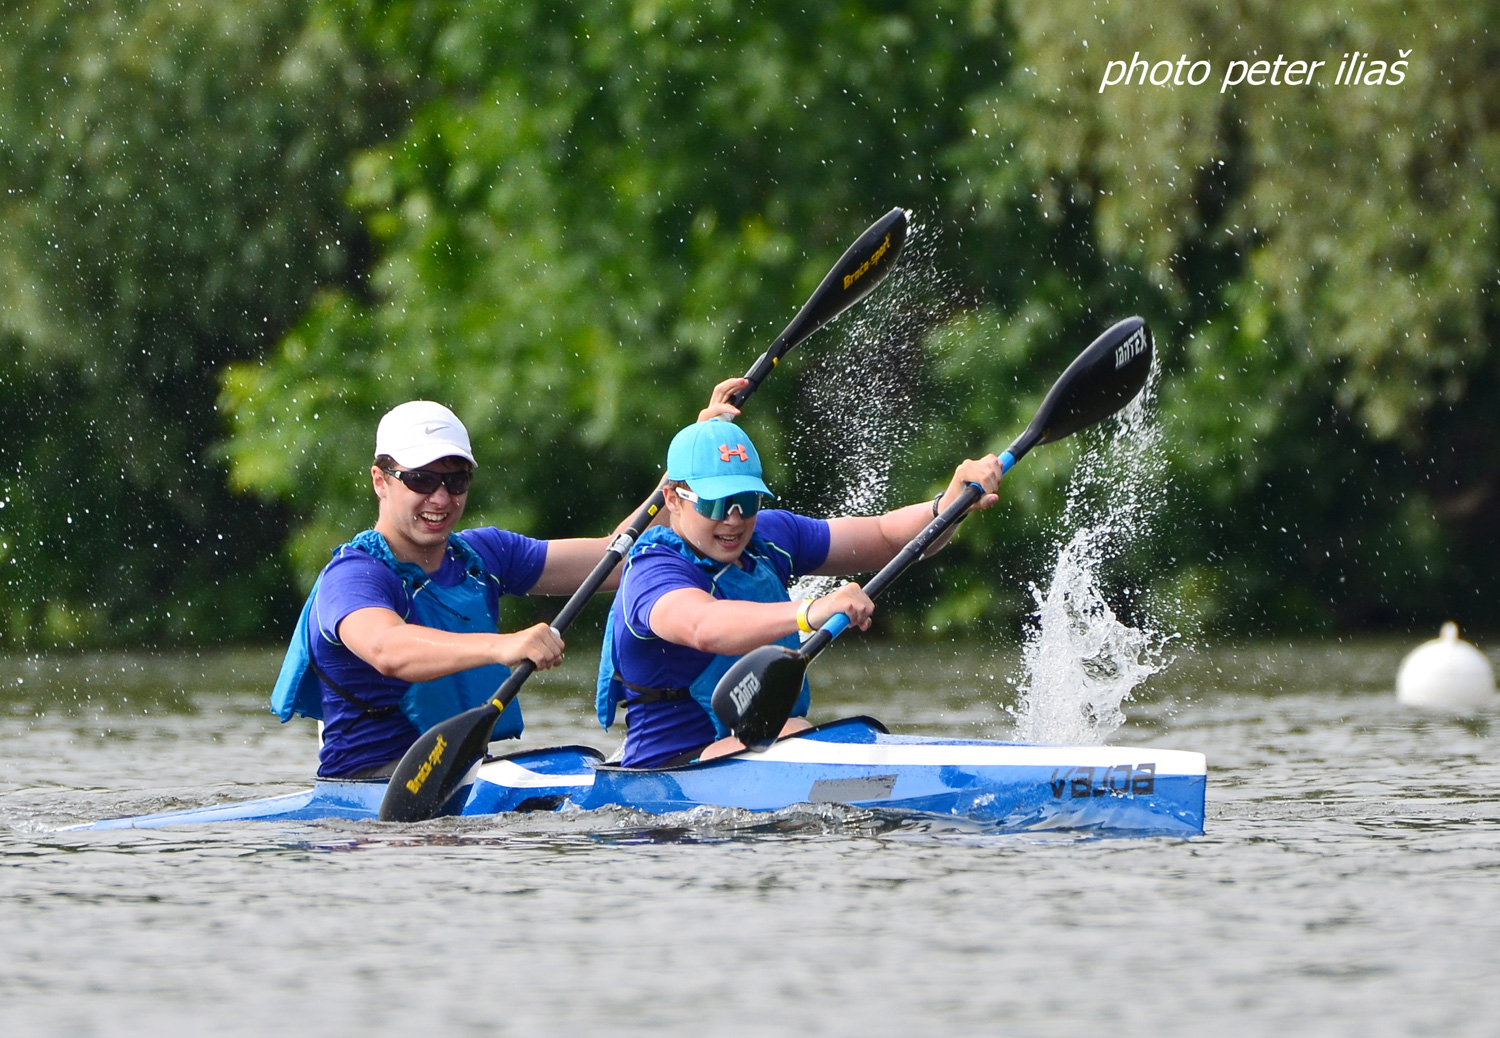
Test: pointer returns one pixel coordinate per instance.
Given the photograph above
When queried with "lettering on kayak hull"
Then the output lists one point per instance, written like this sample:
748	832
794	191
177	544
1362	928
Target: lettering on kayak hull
1118	780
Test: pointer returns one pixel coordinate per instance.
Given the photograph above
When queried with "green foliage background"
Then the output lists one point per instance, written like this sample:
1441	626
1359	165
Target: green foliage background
234	233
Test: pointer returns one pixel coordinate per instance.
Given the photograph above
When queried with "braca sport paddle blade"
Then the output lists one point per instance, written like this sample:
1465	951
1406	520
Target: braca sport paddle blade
863	266
424	782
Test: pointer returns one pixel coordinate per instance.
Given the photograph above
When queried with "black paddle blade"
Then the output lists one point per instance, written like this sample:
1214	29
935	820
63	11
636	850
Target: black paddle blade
436	764
755	697
863	266
1104	378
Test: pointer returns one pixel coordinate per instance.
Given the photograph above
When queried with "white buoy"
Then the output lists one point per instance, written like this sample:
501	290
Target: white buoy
1446	673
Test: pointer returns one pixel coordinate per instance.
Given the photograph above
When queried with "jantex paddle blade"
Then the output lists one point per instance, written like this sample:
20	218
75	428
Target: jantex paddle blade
755	696
1101	380
424	782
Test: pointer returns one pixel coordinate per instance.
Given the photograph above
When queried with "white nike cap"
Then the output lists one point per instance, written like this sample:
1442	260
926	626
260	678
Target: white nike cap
420	431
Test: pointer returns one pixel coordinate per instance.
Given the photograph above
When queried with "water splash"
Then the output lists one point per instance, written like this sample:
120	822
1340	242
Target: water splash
859	395
1081	661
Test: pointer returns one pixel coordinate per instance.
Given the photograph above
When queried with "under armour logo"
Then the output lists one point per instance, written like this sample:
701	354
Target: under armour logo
737	451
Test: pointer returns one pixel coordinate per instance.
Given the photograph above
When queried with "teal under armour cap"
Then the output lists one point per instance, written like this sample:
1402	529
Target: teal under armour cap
715	458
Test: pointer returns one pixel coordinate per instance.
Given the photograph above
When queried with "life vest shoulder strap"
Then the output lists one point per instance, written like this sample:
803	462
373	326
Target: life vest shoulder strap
363	706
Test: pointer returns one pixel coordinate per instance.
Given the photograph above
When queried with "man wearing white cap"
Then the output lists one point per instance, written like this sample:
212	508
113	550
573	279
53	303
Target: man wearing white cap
401	630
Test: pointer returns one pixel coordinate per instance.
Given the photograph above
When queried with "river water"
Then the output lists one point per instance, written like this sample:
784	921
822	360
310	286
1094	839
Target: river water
1348	883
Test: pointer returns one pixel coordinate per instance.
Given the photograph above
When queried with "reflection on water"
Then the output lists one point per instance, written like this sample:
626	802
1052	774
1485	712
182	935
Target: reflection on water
1347	884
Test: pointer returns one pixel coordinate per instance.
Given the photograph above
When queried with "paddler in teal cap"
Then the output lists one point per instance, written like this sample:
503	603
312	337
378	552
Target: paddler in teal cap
401	630
711	585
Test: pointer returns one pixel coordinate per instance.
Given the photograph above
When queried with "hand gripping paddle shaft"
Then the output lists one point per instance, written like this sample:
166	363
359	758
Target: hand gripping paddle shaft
438	764
755	696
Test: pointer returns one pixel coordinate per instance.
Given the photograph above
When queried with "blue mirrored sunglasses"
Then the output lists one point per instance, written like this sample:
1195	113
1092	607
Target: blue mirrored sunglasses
717	509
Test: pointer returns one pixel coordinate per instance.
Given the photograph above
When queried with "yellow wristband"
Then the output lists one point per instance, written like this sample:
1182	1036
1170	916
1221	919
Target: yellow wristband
802	624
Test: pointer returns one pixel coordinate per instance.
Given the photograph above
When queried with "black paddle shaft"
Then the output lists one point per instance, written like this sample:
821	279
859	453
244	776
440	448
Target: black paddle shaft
862	267
914	550
574	605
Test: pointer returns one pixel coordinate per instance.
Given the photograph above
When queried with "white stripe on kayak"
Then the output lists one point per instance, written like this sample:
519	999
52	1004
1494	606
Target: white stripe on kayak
813	751
509	773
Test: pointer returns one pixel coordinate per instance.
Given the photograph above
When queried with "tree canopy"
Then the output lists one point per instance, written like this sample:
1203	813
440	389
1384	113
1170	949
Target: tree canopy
235	233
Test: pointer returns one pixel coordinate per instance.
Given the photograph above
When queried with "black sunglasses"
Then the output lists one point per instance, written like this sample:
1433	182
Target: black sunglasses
425	481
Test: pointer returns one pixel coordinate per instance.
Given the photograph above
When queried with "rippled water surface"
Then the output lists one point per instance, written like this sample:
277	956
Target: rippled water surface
1348	884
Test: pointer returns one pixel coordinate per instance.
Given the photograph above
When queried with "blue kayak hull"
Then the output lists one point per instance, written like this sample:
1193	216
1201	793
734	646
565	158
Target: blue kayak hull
1005	786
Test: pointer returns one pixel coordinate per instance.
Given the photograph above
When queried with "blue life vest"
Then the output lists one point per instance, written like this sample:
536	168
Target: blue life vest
729	582
463	608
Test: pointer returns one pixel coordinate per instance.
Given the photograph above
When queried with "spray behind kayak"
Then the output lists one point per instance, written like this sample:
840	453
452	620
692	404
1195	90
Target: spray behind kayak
1081	661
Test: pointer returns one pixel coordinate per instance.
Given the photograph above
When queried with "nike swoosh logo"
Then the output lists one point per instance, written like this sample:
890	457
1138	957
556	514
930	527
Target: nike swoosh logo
428	430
